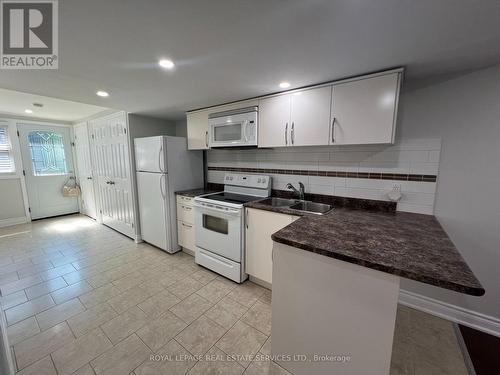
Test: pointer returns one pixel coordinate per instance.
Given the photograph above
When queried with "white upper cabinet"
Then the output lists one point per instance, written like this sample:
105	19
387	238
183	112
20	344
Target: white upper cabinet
310	117
356	111
364	110
301	118
197	130
274	121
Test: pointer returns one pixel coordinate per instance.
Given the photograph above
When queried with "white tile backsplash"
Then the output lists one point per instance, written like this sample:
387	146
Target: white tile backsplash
409	156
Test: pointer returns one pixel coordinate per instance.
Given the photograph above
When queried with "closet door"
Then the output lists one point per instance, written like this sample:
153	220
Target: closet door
113	173
84	170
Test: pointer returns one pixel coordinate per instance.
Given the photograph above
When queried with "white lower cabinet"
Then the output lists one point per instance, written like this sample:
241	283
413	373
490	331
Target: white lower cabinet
185	234
260	225
185	222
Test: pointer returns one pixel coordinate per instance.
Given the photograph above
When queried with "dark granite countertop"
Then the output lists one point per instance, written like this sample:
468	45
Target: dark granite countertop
195	192
409	245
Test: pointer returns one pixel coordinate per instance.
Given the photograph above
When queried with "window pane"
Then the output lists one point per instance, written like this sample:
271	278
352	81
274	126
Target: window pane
4	139
6	162
47	153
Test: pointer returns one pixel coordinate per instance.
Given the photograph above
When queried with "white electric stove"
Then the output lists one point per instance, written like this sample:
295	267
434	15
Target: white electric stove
220	221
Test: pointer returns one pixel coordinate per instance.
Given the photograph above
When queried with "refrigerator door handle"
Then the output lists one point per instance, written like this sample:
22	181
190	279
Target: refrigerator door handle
159	159
162	177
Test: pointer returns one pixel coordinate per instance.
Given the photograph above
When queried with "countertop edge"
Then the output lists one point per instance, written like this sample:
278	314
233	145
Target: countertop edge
384	268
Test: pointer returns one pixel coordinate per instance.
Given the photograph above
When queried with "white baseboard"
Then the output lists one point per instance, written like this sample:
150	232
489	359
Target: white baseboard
260	282
7	363
13	221
481	322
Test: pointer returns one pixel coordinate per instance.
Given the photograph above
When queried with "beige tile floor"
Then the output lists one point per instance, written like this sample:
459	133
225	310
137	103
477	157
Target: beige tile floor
79	298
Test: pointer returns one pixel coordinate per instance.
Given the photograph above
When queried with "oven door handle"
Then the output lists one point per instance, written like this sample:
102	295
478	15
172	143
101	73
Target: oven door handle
214	209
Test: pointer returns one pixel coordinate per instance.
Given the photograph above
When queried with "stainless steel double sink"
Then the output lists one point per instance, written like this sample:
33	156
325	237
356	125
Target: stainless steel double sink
299	205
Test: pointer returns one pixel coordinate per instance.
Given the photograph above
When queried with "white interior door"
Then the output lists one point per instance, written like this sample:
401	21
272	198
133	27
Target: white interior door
84	171
48	164
113	173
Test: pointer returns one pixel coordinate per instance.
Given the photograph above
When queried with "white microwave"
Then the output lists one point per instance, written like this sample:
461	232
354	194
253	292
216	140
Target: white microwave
236	128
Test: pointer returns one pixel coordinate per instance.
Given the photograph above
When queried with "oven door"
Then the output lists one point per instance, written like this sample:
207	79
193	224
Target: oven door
219	230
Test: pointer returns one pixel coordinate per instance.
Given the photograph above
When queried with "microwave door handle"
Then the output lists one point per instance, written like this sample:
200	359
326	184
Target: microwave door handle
245	130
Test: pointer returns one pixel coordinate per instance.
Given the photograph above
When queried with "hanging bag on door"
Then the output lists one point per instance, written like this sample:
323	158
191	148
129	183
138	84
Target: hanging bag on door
71	188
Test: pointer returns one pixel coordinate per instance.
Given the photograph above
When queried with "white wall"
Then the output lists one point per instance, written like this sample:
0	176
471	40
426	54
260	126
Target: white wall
181	128
11	199
465	113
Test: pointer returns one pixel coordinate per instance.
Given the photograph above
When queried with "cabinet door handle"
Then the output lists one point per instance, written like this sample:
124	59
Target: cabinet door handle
292	136
246	218
206	138
333	130
286	134
186	225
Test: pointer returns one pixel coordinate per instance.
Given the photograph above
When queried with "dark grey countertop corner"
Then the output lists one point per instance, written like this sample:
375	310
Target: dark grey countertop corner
409	245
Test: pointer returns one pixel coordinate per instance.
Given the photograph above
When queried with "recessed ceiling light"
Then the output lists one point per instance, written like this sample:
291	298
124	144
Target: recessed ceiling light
284	85
167	64
103	94
28	111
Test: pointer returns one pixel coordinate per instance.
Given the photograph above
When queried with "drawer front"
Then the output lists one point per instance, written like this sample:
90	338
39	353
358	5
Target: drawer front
186	234
185	200
185	213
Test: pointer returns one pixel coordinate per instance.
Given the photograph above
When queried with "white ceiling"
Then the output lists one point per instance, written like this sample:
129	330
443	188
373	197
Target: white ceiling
233	49
15	103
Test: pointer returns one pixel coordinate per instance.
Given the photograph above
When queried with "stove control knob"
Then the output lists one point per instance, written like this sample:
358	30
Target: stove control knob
259	180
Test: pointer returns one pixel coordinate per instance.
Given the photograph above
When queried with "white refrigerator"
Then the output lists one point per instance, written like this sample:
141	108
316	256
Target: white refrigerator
164	165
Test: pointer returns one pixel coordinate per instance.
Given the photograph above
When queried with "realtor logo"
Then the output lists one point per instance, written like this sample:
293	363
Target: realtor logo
29	37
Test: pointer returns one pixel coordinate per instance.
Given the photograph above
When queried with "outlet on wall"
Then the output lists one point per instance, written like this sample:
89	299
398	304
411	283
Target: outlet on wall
395	194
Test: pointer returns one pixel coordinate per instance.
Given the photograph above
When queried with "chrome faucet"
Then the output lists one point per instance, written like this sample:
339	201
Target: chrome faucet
299	193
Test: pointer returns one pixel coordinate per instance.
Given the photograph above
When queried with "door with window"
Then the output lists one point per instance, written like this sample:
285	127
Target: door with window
84	170
113	173
48	165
